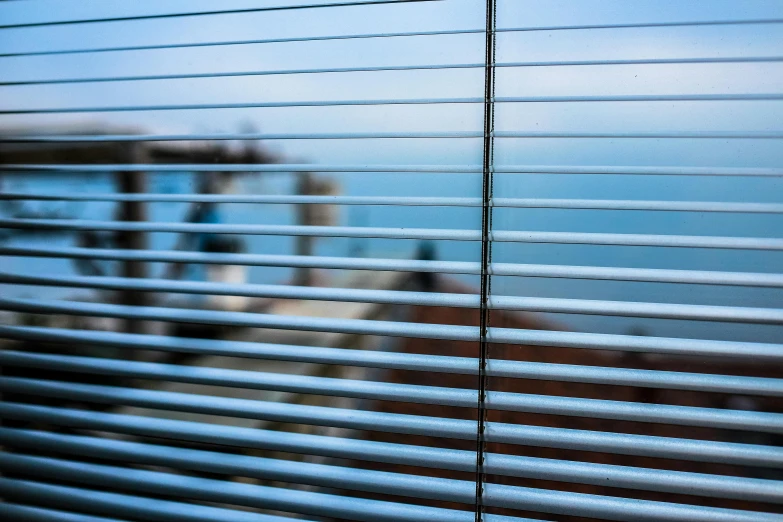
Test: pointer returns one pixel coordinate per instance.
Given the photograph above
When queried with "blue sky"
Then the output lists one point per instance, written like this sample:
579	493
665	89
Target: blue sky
753	40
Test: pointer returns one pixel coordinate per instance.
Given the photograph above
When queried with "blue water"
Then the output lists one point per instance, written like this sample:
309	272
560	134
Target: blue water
750	189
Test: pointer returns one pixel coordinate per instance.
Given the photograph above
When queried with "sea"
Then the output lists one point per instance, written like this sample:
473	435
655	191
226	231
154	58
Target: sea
470	185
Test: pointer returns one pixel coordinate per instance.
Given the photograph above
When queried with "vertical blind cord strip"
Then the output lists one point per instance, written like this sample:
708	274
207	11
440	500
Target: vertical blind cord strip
389	68
719	486
409	265
440	396
486	258
404	361
527	435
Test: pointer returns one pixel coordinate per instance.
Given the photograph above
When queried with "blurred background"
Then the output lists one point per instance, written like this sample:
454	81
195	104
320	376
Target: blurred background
308	116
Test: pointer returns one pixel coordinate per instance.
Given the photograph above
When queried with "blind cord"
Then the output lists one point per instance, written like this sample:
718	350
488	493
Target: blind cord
486	251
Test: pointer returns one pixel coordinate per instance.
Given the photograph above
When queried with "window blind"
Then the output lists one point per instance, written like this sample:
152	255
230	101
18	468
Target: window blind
486	261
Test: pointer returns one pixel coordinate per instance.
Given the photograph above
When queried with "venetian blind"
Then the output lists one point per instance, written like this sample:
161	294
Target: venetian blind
391	260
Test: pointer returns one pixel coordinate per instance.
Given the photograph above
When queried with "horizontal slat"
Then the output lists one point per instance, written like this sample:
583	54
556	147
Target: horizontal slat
619	443
633	343
250	495
404	361
309	5
243	105
246	167
103	138
530	304
466	398
247	438
636	170
639	25
113	504
411	101
636	412
581	204
430	457
644	61
410	265
686	312
641	98
636	378
695	23
636	343
287	230
261	199
221	43
250	320
610	508
234	74
385	35
655	275
502	169
246	379
420	67
20	513
352	478
619	204
590	238
282	352
250	290
374	481
508	236
688	135
647	479
400	265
